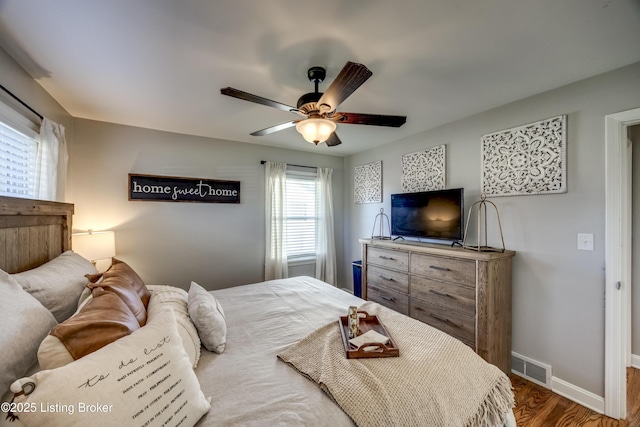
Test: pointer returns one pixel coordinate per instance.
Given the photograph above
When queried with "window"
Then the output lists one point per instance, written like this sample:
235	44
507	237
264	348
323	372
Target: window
300	213
18	153
19	141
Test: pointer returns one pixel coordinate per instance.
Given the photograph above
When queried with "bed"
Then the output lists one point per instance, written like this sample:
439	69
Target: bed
279	363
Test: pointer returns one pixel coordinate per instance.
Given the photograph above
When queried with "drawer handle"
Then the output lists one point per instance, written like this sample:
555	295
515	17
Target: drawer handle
435	267
440	293
388	279
388	258
444	320
386	298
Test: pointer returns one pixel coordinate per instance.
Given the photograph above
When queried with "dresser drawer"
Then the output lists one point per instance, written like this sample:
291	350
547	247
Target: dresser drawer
454	323
448	269
452	295
389	298
389	258
389	278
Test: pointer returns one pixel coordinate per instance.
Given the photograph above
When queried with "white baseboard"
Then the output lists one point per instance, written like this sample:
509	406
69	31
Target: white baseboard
582	396
635	361
578	395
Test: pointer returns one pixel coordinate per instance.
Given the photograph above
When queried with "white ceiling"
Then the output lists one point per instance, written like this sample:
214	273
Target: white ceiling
160	64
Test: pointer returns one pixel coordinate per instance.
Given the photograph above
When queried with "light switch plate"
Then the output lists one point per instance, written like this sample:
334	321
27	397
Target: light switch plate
585	241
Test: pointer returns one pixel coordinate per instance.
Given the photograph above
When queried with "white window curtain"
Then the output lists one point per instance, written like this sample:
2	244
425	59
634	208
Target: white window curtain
51	164
325	244
275	265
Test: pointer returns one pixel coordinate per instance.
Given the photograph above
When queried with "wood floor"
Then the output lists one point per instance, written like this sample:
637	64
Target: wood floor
539	407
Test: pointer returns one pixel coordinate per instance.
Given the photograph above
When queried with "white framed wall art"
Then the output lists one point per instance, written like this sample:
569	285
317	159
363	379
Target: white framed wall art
367	183
424	170
526	160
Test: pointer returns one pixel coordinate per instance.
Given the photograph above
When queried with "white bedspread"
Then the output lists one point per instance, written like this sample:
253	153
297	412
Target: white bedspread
248	384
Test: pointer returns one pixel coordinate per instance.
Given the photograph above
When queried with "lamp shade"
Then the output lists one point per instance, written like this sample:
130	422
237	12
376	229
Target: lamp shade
316	130
94	245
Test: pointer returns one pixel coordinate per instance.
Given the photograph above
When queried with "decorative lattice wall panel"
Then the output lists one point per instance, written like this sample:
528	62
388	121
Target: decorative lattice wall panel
526	160
367	183
424	170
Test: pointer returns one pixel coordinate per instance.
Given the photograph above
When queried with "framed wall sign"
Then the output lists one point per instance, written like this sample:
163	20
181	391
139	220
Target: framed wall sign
177	189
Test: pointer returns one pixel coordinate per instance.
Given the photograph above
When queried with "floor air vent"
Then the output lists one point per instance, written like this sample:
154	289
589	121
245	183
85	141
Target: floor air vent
530	369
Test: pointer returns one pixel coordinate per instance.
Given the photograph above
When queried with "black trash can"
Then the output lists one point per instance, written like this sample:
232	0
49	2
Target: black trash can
357	278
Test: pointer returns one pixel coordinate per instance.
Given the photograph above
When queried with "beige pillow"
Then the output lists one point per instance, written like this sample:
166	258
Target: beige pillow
142	379
103	319
207	314
58	283
25	322
52	353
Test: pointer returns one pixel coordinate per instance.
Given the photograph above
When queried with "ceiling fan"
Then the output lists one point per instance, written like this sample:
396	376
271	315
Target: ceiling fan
318	110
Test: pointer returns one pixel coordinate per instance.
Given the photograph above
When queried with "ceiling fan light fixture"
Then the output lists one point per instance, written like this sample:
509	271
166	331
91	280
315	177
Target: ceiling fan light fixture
318	109
316	130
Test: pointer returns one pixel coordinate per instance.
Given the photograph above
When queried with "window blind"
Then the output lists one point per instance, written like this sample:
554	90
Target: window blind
301	214
18	153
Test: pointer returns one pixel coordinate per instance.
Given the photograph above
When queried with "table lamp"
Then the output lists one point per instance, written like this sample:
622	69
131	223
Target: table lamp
94	245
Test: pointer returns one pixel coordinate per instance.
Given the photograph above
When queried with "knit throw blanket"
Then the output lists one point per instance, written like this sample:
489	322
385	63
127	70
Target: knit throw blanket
436	380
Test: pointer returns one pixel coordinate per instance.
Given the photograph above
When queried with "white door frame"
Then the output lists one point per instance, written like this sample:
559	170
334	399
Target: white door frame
617	260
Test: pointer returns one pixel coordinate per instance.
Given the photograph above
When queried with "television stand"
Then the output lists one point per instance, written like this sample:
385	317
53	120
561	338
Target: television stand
466	294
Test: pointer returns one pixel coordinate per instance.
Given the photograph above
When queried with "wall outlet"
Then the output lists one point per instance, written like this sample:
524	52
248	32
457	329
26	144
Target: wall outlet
585	242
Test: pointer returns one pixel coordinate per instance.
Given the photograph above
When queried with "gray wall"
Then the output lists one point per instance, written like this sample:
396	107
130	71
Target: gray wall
634	134
216	245
558	291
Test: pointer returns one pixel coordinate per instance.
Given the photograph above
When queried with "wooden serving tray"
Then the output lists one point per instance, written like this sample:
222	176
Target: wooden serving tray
367	322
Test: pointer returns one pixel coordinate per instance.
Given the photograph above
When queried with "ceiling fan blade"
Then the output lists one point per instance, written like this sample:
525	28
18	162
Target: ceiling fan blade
235	93
347	81
368	119
275	128
333	140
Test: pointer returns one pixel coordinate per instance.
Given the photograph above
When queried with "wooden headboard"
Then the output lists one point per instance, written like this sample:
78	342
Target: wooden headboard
32	232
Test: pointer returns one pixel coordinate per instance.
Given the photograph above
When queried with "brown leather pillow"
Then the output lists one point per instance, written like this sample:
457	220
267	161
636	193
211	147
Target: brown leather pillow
124	282
102	320
93	278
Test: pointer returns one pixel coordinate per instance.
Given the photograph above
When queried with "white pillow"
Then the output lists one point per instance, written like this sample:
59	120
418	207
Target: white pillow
207	314
25	322
176	299
58	283
142	379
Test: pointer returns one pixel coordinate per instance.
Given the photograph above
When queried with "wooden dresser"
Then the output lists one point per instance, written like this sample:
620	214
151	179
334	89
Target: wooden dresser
464	293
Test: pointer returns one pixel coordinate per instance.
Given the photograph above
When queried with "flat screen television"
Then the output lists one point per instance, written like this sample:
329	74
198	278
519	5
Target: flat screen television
429	214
